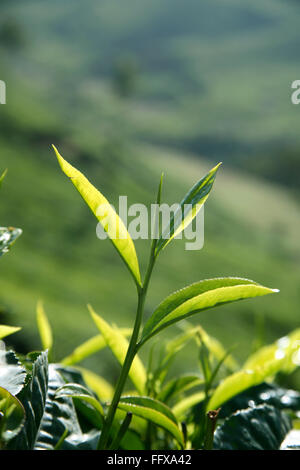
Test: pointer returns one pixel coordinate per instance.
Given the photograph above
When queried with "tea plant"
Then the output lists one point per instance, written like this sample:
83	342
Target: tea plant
60	405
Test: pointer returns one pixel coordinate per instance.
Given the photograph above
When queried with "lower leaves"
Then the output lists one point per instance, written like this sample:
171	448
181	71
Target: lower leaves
261	428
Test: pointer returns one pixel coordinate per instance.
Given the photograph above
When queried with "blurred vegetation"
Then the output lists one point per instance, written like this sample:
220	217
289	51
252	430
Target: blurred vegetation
126	93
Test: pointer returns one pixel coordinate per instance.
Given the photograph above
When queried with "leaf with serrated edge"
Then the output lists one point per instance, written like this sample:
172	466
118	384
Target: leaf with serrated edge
200	296
110	221
119	346
82	393
189	207
152	410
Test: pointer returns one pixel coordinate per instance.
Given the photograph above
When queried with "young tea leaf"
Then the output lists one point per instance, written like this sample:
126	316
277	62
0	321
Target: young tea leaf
12	415
154	411
89	347
98	384
108	218
186	403
6	330
286	348
243	379
44	327
189	207
119	346
74	390
2	177
198	297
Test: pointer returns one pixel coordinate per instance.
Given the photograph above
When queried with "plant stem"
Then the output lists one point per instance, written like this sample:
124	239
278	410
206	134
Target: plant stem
211	421
131	352
118	439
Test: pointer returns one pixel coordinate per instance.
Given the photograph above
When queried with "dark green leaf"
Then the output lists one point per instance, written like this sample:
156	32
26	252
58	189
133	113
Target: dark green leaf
152	410
265	393
261	428
12	374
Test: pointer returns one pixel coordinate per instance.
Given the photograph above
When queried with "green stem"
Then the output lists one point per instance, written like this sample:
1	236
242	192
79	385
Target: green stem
125	425
211	421
130	355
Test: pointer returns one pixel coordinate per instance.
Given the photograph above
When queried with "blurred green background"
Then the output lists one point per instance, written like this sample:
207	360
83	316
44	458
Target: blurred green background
125	90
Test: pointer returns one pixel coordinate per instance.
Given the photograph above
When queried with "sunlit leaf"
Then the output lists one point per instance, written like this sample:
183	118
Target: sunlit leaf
185	404
6	330
189	207
44	327
2	176
286	348
98	384
154	411
119	346
12	373
198	297
261	428
12	415
108	218
90	347
243	379
178	385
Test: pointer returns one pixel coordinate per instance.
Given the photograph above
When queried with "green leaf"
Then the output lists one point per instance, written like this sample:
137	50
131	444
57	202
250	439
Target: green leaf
119	346
33	398
189	207
2	177
281	356
185	404
74	390
241	380
12	374
260	428
8	235
287	348
59	415
154	411
98	384
178	385
198	297
6	330
89	347
109	219
48	417
12	415
44	327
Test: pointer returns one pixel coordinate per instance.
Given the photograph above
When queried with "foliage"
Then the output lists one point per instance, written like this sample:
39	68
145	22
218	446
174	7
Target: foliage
59	405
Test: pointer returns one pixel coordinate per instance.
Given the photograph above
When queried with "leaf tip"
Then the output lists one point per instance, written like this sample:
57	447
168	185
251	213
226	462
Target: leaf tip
92	312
